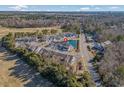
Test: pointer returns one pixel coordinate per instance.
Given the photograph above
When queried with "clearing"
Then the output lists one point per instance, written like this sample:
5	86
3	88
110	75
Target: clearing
5	30
16	73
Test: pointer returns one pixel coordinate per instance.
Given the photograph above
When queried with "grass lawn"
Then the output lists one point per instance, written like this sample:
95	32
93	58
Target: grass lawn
4	30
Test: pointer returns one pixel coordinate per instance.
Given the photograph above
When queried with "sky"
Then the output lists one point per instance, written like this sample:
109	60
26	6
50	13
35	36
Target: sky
61	7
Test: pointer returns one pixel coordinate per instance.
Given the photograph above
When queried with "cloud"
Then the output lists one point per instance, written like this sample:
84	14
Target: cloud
19	7
97	8
114	7
92	8
48	10
63	7
84	8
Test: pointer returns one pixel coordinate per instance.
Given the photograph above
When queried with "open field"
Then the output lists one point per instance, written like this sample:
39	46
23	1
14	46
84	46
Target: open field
16	73
4	30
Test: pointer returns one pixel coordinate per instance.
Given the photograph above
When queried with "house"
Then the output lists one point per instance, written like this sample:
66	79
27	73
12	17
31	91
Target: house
98	47
106	43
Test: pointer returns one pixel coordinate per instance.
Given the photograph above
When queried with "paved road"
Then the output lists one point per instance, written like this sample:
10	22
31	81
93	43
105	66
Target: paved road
83	51
88	66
